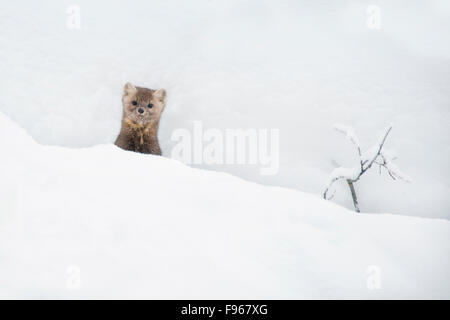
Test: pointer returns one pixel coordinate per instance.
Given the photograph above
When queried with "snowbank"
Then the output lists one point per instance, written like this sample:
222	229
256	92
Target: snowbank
296	66
101	222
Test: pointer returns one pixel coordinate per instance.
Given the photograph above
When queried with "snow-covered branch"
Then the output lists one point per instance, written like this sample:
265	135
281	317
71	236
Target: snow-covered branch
351	136
374	155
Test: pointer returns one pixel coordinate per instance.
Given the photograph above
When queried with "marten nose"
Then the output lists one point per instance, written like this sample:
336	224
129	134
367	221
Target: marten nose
141	110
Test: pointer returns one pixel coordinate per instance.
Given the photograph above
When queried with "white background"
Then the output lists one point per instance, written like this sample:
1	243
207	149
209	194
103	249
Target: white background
296	66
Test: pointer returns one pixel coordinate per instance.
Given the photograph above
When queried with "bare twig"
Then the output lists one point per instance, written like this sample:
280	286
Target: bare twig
352	190
363	170
364	165
331	182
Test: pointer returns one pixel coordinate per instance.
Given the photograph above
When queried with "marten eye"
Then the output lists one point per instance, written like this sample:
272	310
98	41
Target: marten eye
150	105
134	103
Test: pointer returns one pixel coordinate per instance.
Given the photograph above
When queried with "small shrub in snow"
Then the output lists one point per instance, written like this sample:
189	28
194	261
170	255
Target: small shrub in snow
374	155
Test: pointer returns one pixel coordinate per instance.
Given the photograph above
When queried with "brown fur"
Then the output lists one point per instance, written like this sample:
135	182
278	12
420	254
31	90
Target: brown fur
139	132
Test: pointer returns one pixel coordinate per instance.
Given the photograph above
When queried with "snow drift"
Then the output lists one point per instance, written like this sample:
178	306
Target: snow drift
296	66
142	226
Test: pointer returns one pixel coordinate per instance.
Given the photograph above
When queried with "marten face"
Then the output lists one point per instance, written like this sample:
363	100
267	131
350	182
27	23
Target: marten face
141	105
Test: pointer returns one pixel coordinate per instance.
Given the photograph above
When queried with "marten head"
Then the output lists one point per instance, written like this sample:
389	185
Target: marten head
141	105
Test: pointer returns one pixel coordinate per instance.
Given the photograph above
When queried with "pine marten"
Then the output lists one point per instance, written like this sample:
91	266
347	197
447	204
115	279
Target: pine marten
142	110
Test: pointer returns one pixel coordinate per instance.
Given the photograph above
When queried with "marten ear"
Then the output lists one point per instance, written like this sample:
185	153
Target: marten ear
129	88
160	94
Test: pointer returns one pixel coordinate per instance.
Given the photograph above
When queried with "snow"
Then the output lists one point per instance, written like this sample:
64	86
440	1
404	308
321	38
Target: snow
129	225
342	173
349	134
143	226
296	66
